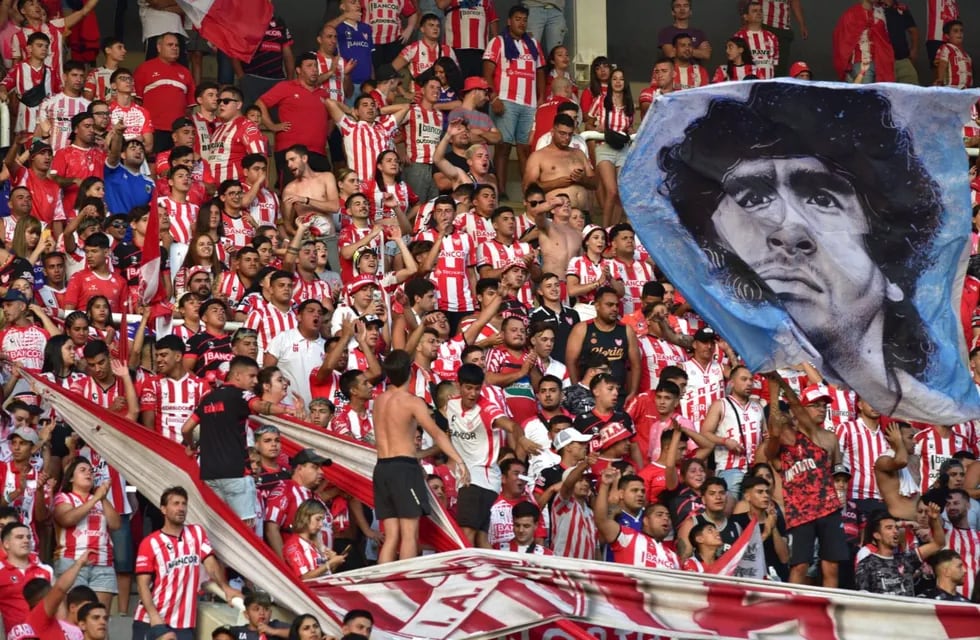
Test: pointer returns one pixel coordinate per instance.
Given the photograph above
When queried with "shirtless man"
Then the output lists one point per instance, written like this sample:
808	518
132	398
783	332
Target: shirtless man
561	168
477	159
401	496
895	472
558	241
309	194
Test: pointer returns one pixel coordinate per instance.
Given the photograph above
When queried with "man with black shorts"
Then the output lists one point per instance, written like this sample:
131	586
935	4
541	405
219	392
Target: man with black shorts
475	422
807	454
401	496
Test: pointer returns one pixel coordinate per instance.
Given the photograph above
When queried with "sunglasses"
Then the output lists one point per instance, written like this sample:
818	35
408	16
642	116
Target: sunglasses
119	224
535	203
100	113
227	100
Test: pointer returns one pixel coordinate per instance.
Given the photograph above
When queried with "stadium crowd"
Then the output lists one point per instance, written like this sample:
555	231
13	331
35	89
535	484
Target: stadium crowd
337	248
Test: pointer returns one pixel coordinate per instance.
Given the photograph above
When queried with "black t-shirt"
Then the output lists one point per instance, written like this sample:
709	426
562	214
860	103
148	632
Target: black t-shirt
222	415
729	533
244	633
268	59
938	594
890	576
16	268
591	423
127	258
212	351
899	20
562	322
772	560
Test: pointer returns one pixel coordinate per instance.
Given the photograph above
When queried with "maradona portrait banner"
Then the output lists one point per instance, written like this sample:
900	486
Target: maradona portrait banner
818	222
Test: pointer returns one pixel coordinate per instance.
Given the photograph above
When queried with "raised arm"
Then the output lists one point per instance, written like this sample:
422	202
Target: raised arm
608	528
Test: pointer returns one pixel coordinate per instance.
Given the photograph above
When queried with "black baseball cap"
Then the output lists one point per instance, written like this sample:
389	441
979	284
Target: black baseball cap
309	455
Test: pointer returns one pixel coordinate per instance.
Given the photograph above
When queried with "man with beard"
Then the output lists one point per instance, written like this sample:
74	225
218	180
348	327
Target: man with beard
610	337
477	155
888	569
512	367
310	194
560	168
57	111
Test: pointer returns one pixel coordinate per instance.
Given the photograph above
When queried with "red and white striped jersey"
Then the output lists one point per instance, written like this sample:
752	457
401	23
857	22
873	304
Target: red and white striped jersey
90	535
302	556
619	120
269	321
420	56
185	333
24	345
969	432
478	228
704	386
349	423
449	360
422	383
587	272
939	12
860	447
352	235
52	299
59	109
640	550
238	231
744	424
315	289
516	80
102	473
54	29
98	83
385	18
450	274
230	142
634	275
364	142
502	520
965	542
657	354
285	500
376	195
573	529
172	401
334	85
737	72
21	79
423	130
842	407
765	51
175	565
136	118
959	70
933	450
469	27
231	287
475	438
265	207
89	389
495	255
10	480
182	216
775	13
693	75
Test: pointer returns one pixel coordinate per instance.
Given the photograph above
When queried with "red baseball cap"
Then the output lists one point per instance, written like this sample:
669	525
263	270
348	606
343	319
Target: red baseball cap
799	67
814	394
475	82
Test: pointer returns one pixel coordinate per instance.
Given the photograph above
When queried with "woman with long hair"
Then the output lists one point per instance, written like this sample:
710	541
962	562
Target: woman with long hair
30	242
305	553
200	253
388	193
100	324
83	517
77	330
209	222
599	72
613	116
450	78
587	272
59	368
739	61
305	627
273	387
558	66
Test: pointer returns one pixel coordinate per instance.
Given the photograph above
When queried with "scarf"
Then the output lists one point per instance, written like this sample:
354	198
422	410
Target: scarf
510	47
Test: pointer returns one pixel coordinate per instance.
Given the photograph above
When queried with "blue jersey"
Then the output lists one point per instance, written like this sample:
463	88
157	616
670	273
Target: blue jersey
356	43
125	189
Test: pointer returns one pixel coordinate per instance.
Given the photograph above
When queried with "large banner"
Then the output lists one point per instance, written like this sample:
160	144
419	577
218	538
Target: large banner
818	222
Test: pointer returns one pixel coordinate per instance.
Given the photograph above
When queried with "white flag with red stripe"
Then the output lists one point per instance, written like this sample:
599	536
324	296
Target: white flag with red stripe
746	558
235	27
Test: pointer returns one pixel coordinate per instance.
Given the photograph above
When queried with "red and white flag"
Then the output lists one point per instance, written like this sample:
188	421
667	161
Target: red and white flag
235	27
746	558
152	291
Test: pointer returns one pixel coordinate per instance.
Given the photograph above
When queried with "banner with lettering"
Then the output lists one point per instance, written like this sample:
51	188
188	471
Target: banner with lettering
818	222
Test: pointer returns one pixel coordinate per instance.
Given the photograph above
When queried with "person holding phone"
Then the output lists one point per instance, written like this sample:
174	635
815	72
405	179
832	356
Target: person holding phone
305	553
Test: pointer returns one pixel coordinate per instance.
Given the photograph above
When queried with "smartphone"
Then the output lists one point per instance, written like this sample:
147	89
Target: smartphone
346	550
376	296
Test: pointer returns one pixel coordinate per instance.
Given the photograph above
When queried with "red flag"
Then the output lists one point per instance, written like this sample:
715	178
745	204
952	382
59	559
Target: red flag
235	27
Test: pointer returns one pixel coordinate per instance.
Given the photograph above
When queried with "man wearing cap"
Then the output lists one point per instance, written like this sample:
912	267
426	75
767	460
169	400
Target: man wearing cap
168	568
800	70
97	278
222	415
21	481
20	565
277	315
302	120
572	448
705	377
78	160
208	350
22	341
290	494
57	111
166	88
475	97
46	199
310	193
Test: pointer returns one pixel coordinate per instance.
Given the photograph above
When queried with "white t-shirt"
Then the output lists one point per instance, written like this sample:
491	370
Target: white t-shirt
156	22
297	358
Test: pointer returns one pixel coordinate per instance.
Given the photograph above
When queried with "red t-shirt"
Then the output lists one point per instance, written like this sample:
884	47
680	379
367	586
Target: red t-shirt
304	109
84	285
13	607
76	162
166	88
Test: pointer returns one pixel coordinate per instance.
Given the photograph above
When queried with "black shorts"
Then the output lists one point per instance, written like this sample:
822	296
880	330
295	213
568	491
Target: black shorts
400	490
473	507
829	530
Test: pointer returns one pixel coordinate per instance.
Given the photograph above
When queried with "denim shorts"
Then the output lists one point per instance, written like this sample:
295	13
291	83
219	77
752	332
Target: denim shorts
515	122
238	493
99	579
